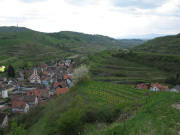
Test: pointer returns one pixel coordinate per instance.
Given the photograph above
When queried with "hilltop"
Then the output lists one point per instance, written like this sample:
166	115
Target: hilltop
162	45
19	44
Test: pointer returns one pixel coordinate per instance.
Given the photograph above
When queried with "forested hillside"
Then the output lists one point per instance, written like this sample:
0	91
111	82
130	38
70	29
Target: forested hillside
19	44
163	45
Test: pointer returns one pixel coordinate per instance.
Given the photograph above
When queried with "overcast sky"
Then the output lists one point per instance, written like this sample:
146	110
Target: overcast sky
116	18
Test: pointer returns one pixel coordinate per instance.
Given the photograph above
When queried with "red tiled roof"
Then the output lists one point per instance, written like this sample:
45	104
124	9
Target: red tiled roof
61	90
142	86
66	77
18	104
161	87
46	73
37	92
43	66
62	84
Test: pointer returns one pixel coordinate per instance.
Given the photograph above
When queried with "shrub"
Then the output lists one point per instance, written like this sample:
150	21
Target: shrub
71	122
31	117
17	130
80	73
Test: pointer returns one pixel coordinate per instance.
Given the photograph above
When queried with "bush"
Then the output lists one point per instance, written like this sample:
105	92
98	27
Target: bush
31	117
80	73
71	122
17	130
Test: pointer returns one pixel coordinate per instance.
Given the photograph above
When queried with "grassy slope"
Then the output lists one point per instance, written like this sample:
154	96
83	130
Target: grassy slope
165	45
106	103
22	44
148	115
95	96
107	67
168	63
28	46
94	42
156	117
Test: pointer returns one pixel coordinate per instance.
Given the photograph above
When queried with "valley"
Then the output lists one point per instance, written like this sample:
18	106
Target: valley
121	87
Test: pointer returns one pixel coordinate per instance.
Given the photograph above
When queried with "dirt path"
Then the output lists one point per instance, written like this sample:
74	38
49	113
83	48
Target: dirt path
177	106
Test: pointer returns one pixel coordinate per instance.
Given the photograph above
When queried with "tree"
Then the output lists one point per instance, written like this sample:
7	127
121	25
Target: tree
11	71
17	130
80	73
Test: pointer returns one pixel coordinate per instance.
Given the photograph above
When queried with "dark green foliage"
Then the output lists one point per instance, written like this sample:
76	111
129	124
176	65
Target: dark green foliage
164	45
17	130
168	63
156	117
31	117
71	122
174	80
22	44
125	67
11	71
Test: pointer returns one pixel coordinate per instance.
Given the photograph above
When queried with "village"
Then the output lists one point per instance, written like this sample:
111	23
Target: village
44	82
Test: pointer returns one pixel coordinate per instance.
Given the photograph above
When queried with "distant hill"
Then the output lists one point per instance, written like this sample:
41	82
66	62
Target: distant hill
164	45
94	40
145	36
130	43
19	44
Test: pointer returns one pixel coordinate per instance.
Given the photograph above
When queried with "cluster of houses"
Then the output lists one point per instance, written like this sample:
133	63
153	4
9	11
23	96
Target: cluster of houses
157	87
33	87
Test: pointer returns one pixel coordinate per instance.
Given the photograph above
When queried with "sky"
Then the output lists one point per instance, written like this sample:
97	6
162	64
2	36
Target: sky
115	18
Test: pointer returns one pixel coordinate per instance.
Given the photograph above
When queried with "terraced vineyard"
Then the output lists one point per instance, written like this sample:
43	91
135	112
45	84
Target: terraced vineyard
106	67
114	94
102	102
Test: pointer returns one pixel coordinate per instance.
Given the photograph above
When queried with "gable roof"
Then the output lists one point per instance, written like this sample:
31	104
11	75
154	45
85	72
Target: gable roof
62	84
142	86
61	90
161	87
66	77
19	104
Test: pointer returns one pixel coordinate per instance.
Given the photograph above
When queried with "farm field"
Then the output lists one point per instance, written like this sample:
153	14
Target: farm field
107	67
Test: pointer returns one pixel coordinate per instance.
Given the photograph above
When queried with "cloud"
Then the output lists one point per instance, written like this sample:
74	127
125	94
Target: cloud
30	1
144	4
93	16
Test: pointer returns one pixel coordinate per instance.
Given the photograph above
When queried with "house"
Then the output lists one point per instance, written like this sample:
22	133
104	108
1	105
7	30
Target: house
21	76
154	88
61	84
3	79
4	94
31	100
69	83
43	67
67	62
61	91
20	100
66	76
175	89
142	86
3	120
39	93
19	106
34	78
52	93
158	87
45	82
